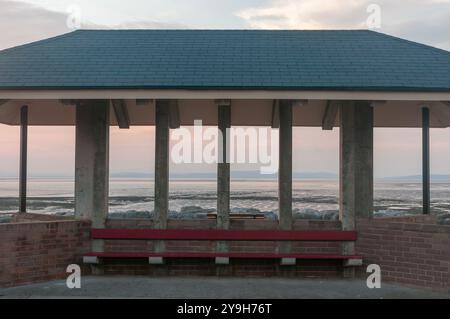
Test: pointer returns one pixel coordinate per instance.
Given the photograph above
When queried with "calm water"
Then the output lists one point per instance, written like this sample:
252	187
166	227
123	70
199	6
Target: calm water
56	196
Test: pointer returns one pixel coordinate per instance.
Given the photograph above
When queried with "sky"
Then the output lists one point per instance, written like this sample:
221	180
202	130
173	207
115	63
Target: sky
51	149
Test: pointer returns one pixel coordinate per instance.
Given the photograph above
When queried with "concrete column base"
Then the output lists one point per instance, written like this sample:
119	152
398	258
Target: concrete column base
222	260
91	260
288	261
155	260
353	262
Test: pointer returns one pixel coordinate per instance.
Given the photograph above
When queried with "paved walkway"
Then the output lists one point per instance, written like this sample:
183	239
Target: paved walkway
207	287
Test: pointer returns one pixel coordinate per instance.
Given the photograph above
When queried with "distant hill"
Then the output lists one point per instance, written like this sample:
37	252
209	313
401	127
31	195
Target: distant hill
131	175
257	175
418	178
234	174
244	175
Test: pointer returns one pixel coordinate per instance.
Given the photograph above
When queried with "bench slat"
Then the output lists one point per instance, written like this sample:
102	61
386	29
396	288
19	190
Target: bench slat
218	234
214	255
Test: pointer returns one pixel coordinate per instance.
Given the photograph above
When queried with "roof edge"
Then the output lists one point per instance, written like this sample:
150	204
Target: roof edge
225	94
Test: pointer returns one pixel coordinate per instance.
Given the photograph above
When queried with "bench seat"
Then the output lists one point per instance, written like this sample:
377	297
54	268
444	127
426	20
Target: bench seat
223	235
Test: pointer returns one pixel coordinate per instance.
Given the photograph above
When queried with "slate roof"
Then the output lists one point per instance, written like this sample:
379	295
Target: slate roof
226	59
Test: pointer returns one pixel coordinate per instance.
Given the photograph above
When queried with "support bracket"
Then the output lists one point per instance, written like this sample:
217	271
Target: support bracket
329	116
121	112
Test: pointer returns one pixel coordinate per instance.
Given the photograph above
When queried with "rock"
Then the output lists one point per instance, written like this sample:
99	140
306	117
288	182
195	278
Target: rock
64	213
5	219
443	219
191	210
307	213
270	215
330	215
132	214
389	213
244	210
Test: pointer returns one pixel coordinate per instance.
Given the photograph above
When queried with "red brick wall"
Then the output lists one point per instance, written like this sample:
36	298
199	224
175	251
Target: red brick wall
34	251
412	251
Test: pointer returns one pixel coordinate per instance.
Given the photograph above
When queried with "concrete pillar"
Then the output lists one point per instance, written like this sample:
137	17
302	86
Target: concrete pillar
285	173
426	160
285	165
23	159
356	165
223	175
161	168
92	163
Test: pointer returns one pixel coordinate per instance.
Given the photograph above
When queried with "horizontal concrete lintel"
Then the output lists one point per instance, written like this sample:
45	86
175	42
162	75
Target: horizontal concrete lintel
225	94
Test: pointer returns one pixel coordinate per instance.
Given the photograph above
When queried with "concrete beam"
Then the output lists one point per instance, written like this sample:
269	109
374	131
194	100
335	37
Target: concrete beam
329	116
377	103
296	103
224	102
70	102
356	165
92	161
223	175
121	112
144	101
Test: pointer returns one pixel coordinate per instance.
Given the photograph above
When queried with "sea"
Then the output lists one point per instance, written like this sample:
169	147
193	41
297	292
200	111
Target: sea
135	196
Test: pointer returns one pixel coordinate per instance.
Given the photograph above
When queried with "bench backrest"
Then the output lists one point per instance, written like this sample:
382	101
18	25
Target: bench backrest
219	234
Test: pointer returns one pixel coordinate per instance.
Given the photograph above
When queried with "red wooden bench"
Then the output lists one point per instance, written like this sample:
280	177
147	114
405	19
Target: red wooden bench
222	235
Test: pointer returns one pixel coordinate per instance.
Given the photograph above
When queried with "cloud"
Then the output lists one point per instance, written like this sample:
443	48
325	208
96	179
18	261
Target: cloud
430	27
418	20
21	23
307	14
26	23
136	24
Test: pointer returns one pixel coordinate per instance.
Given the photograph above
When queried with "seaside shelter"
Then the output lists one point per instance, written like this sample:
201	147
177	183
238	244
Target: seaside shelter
355	80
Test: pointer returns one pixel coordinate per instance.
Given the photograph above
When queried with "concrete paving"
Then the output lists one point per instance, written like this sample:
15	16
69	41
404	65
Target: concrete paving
207	287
